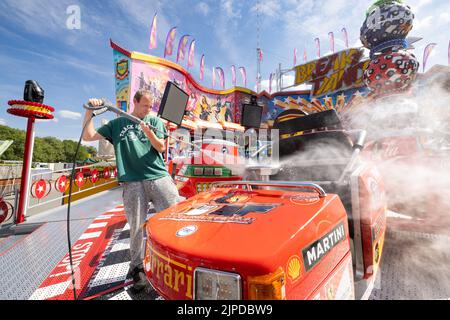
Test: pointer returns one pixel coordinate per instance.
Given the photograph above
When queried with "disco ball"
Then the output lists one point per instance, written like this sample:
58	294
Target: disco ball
386	22
390	71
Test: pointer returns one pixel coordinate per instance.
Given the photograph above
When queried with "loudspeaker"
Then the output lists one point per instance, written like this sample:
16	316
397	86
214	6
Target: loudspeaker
251	115
173	103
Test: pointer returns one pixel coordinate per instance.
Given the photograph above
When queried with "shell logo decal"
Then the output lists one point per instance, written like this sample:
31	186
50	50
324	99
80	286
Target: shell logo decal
294	268
186	231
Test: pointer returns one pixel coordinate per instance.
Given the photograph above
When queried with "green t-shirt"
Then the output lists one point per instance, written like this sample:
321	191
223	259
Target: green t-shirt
136	158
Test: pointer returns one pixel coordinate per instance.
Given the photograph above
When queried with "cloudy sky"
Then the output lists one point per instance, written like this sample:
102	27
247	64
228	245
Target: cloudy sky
75	64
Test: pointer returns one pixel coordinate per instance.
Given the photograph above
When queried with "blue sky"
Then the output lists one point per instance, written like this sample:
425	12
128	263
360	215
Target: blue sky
73	65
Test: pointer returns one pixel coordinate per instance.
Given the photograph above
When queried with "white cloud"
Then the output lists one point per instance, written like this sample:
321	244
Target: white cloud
422	24
66	114
230	9
270	8
2	122
203	8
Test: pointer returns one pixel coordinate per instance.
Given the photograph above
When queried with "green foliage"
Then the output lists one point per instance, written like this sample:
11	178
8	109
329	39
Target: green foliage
48	149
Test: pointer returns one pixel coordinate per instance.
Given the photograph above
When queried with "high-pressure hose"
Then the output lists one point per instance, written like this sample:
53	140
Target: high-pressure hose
69	242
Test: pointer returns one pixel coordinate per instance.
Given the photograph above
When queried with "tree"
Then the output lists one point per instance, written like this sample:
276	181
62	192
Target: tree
48	149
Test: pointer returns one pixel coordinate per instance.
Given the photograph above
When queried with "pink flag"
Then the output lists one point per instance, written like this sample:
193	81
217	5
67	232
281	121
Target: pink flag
244	76
233	75
202	66
295	57
317	40
191	54
260	53
213	77
221	77
169	42
182	47
305	56
426	54
270	82
153	40
331	36
344	33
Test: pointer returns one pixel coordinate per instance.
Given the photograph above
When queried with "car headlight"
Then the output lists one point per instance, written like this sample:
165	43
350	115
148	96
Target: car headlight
216	285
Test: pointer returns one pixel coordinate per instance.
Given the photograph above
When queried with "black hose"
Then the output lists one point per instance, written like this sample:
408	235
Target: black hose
69	242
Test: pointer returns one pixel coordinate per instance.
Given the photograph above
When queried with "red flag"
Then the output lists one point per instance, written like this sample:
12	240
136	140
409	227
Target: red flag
221	77
233	75
260	53
426	54
244	76
191	54
153	40
344	32
331	36
295	57
270	82
182	47
169	42
202	66
317	40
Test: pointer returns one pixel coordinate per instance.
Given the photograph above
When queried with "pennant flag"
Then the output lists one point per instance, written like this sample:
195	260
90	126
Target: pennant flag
270	82
305	57
244	76
182	47
214	77
317	40
191	54
344	33
331	36
260	55
233	75
153	40
169	42
426	54
295	57
202	66
221	77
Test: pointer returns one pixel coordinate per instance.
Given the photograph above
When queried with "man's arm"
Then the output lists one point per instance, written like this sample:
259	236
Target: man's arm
90	134
157	143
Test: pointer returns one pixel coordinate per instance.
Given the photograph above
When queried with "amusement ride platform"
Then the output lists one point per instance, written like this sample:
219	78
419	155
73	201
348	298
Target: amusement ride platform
34	256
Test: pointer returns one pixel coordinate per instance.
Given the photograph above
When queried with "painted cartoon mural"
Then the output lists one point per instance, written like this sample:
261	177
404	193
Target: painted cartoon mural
152	73
337	76
301	100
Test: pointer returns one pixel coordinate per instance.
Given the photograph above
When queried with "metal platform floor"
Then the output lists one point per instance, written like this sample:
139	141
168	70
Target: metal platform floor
415	265
28	256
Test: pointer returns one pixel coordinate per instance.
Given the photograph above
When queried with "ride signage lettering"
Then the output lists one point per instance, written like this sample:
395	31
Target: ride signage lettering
335	72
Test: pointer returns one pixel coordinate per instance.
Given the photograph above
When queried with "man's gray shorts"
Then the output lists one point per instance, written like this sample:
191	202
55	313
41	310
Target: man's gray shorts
161	192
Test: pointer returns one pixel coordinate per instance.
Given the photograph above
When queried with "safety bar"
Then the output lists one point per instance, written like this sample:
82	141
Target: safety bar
283	184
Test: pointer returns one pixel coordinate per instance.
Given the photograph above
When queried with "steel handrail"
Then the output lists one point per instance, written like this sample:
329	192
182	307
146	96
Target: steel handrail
283	184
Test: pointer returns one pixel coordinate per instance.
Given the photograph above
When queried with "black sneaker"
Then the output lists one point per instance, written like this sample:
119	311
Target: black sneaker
140	281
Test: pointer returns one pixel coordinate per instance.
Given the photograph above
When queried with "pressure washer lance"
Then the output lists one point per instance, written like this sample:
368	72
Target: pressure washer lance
107	106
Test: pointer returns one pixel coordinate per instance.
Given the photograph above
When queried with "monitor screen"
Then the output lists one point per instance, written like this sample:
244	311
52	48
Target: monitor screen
173	103
251	115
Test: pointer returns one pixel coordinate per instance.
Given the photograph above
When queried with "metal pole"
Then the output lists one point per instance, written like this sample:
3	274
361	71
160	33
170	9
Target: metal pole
26	172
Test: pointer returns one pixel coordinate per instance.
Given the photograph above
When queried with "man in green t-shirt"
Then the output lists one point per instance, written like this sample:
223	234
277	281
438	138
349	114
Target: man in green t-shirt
140	168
